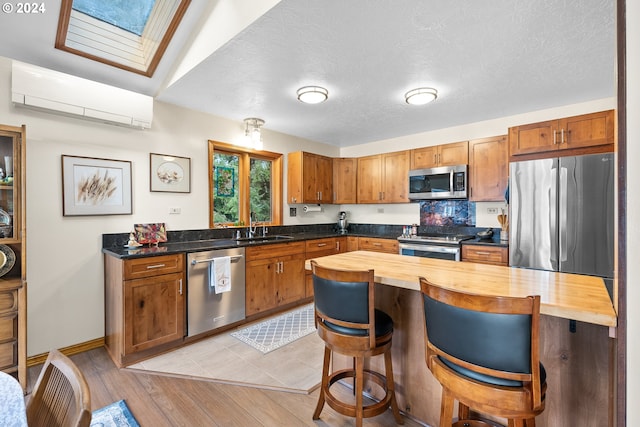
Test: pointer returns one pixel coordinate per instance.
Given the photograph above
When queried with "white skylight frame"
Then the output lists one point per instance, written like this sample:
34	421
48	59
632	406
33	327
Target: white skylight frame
92	38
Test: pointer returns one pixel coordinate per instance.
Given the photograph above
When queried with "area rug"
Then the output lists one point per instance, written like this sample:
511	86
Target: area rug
115	415
278	331
294	368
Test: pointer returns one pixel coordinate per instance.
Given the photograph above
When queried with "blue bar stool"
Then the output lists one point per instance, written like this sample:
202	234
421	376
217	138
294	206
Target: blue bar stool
349	325
484	351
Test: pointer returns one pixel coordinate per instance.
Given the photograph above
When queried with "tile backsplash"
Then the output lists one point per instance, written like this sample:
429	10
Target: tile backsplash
447	213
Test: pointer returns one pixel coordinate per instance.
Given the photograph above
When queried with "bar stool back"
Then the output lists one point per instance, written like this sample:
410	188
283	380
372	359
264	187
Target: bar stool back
484	351
349	325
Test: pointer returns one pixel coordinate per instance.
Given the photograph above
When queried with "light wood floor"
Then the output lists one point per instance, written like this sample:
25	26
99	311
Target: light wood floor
165	401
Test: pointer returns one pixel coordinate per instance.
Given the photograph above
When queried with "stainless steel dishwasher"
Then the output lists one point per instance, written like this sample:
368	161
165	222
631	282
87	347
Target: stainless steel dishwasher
207	310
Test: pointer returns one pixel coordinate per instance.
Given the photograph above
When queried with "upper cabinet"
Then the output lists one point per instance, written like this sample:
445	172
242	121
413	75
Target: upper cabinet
13	268
309	178
570	133
488	168
383	178
456	153
344	180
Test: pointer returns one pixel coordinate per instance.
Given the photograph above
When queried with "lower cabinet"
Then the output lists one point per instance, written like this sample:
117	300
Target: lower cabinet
377	244
274	276
144	306
485	254
321	247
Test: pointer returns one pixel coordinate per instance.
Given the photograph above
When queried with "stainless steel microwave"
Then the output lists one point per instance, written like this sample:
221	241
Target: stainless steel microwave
445	182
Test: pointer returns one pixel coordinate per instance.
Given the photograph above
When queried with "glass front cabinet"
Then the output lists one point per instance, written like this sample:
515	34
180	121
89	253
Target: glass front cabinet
13	283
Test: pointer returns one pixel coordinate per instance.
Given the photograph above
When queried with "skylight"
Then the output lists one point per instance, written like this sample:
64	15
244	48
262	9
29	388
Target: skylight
129	15
128	34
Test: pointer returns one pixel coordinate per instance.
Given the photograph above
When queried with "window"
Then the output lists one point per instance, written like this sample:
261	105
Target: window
243	180
128	34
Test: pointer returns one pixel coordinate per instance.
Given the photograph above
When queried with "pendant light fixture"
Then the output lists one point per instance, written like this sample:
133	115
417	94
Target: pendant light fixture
252	132
312	94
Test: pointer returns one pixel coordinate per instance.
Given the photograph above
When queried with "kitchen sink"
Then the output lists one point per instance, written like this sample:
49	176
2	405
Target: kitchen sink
260	239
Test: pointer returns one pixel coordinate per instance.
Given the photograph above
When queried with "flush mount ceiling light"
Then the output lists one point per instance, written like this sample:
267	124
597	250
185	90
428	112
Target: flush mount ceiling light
421	96
312	94
252	132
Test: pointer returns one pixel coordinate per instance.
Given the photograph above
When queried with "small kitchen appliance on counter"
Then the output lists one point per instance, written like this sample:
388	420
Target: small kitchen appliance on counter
342	222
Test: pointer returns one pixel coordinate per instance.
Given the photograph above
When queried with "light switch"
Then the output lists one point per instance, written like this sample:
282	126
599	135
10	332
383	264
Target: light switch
174	211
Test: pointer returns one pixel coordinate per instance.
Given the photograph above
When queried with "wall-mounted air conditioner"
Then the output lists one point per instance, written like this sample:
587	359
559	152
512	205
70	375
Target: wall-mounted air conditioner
53	91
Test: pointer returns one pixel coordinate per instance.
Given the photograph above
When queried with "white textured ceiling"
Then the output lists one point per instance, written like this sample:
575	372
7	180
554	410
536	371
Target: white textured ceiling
487	59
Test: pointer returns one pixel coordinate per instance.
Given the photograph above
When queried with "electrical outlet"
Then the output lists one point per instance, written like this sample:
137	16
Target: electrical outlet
293	211
173	211
492	210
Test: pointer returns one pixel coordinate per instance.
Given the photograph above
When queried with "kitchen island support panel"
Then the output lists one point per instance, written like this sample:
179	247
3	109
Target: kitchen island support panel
579	365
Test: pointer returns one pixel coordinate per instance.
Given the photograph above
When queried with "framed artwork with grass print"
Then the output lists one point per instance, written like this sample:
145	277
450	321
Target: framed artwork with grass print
93	186
171	174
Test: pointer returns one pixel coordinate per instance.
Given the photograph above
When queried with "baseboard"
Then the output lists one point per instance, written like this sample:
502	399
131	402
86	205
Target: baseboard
67	351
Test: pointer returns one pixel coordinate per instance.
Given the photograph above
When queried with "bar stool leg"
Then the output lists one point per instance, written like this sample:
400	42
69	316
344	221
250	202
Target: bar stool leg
325	382
446	408
391	387
359	387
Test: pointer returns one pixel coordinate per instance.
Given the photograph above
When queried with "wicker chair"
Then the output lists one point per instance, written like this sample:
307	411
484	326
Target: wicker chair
484	351
61	396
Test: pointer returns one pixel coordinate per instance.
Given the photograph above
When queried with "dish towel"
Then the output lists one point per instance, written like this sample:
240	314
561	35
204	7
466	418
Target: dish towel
220	274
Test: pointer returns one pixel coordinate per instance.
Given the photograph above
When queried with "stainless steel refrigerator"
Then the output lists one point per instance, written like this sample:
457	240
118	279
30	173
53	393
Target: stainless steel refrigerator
562	214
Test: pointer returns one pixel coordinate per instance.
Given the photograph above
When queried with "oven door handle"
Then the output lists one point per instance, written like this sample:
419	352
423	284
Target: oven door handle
430	248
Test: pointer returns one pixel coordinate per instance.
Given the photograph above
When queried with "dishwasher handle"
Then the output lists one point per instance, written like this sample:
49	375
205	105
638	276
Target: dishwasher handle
234	258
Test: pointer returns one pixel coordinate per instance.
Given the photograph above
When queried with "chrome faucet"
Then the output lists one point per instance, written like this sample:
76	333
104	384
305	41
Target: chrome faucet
251	232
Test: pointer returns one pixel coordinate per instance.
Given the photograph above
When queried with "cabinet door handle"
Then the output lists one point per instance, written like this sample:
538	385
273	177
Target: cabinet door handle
554	137
338	246
180	290
150	267
281	266
562	141
483	253
377	244
321	245
320	198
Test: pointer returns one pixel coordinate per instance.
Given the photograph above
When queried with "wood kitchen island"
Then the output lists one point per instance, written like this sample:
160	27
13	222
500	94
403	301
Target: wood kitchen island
579	364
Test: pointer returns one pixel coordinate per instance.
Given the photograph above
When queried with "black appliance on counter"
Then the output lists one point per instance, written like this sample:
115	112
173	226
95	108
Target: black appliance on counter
440	246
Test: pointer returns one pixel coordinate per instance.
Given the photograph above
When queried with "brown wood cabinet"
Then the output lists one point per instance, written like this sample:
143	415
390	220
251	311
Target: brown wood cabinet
274	276
569	133
309	178
344	180
377	244
485	254
13	282
383	178
321	247
144	305
455	153
488	168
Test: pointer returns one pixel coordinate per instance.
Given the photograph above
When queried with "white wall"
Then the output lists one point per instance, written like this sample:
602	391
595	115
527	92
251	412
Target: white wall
633	213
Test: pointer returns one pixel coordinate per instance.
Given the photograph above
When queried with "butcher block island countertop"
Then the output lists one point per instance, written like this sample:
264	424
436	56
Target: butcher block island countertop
576	327
570	296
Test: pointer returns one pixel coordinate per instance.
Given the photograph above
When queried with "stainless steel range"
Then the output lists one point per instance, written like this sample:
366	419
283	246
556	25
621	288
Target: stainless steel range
441	246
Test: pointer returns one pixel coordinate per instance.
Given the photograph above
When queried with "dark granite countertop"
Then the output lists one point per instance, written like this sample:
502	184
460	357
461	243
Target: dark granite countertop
211	239
221	238
494	241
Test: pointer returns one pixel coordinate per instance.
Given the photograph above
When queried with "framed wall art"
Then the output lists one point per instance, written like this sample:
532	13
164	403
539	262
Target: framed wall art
170	174
93	186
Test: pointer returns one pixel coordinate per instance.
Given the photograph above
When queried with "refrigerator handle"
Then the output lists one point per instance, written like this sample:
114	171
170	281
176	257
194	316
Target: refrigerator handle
562	213
553	213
